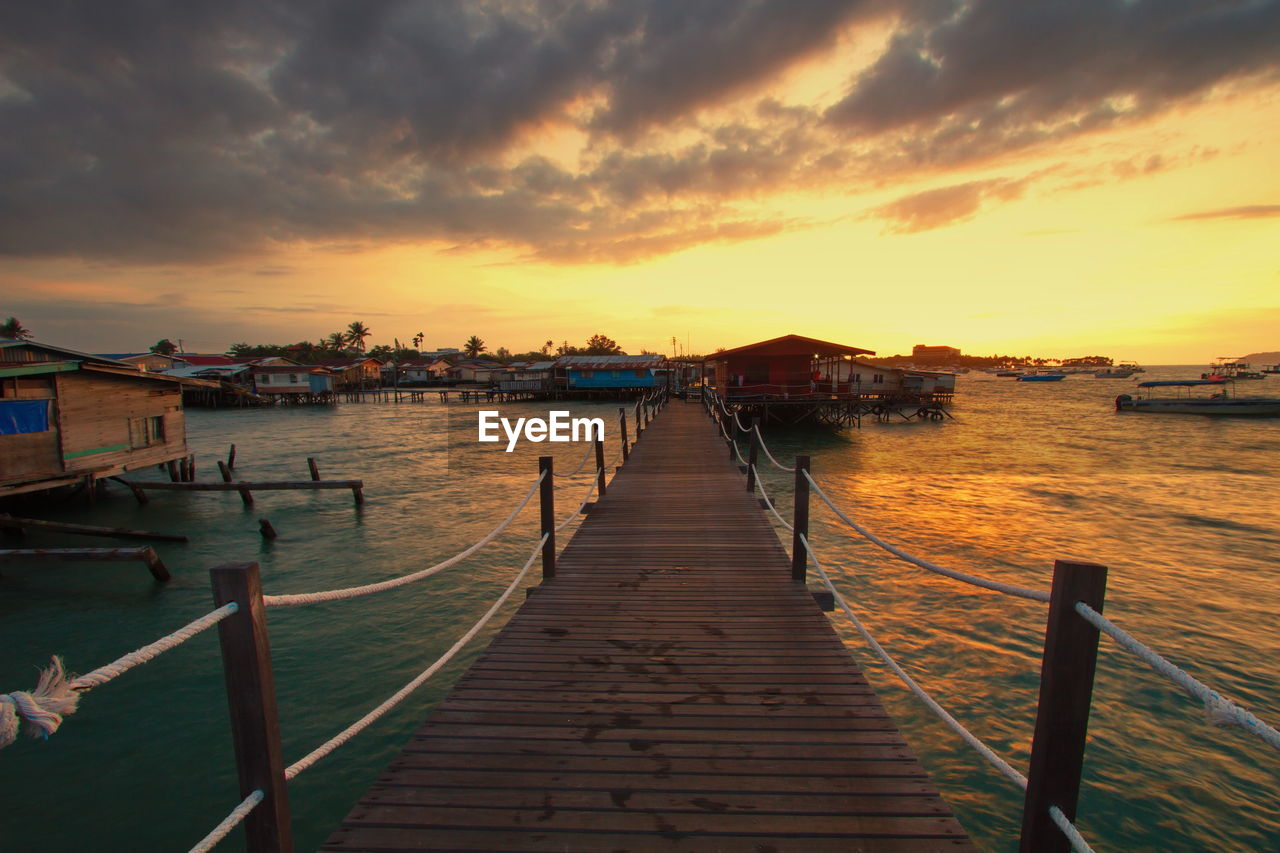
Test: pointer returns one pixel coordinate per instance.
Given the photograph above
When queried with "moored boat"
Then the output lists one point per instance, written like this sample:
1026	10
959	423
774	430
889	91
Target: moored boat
1042	377
1220	402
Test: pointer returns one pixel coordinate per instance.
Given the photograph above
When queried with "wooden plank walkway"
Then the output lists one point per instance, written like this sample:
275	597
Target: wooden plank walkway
670	689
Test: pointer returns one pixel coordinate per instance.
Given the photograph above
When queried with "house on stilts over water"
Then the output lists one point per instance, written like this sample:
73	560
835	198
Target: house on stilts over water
794	379
67	417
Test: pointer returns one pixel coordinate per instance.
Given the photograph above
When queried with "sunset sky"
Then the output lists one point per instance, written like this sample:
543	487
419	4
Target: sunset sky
1012	176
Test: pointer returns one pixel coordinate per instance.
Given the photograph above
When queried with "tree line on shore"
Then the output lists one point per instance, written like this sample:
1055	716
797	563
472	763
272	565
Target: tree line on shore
352	342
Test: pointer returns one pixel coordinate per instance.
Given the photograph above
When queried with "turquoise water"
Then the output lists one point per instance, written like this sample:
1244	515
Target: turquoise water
1181	508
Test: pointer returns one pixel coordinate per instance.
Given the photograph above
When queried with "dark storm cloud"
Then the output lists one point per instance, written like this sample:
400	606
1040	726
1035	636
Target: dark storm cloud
1005	74
201	130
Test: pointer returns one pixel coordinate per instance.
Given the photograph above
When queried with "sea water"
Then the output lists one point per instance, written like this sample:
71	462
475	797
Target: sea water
1181	508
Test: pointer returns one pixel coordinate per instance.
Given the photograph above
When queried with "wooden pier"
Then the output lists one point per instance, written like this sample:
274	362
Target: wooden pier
670	688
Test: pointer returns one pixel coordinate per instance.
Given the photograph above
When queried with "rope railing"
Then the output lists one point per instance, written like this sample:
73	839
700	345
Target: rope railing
591	487
581	464
55	696
769	503
230	822
996	586
1068	828
361	724
1218	709
955	725
381	586
765	448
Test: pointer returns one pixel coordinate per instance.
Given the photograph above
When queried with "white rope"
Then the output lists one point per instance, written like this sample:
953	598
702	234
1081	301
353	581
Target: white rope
230	822
359	725
765	448
381	586
737	420
591	487
56	696
103	674
955	725
1007	589
769	503
1068	828
1219	710
585	456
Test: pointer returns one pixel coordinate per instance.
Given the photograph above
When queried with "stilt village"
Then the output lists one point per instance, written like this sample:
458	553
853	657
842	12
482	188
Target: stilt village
75	418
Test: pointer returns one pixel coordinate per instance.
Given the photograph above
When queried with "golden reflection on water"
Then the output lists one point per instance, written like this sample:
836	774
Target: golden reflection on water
1182	511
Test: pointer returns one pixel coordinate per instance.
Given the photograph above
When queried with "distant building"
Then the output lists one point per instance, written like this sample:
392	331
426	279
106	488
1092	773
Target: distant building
610	372
363	372
933	355
781	367
527	376
153	361
68	416
284	380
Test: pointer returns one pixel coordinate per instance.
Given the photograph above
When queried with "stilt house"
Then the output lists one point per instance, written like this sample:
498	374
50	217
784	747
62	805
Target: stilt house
68	416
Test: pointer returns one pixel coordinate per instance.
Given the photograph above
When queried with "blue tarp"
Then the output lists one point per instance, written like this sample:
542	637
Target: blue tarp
18	417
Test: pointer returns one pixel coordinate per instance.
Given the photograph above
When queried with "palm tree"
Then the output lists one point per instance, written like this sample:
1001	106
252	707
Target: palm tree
418	339
13	328
474	346
336	341
356	333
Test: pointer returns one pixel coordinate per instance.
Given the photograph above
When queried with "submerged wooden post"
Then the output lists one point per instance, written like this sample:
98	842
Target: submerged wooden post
225	470
600	478
1062	717
622	417
753	454
231	457
251	695
172	467
315	471
800	521
267	530
547	496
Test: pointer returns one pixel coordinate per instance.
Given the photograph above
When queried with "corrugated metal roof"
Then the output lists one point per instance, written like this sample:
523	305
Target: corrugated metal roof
610	362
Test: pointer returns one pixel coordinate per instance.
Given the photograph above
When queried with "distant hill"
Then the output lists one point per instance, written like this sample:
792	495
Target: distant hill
1261	358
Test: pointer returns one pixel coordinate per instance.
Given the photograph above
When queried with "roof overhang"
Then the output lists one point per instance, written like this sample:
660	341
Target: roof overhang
792	345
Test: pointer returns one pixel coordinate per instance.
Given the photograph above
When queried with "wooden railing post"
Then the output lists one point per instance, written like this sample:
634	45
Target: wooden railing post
800	521
753	454
1062	717
251	695
622	417
600	478
547	494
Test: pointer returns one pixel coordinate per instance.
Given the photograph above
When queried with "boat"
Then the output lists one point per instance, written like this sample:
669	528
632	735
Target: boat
1123	370
1228	368
1219	402
1042	377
